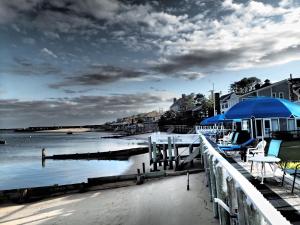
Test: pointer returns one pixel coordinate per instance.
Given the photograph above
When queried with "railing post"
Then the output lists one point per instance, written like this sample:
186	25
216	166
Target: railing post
213	184
221	194
241	209
232	197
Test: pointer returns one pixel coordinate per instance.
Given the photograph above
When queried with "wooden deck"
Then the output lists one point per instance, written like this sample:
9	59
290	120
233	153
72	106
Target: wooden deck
278	195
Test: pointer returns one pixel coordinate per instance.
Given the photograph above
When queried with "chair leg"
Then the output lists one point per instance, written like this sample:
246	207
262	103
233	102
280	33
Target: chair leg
251	167
282	182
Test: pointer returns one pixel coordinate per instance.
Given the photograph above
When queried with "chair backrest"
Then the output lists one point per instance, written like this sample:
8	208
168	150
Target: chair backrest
236	135
261	145
230	136
248	142
274	147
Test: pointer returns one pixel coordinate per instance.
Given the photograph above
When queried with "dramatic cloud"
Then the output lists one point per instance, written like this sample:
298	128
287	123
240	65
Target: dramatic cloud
205	59
86	109
100	75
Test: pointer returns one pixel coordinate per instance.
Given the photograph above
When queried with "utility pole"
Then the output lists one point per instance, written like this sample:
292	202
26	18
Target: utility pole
213	98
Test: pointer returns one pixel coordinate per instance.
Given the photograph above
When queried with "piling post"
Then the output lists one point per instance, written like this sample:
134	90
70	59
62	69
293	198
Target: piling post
144	168
154	157
188	181
175	154
165	157
150	150
190	152
170	153
139	178
159	155
221	194
43	153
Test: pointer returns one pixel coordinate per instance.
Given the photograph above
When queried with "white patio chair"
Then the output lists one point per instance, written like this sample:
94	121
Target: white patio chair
258	150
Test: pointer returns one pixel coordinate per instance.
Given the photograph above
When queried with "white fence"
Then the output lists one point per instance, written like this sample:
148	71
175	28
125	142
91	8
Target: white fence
246	205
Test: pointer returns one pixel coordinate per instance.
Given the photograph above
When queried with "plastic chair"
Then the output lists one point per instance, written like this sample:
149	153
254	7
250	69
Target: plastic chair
258	150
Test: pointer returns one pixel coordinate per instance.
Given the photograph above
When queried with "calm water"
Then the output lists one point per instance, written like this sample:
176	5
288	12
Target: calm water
21	164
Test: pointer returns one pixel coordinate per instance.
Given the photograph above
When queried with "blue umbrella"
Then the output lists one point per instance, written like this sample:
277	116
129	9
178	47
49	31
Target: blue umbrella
263	107
213	120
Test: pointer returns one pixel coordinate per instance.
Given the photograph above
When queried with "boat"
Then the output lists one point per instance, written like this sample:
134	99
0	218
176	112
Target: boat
69	132
2	142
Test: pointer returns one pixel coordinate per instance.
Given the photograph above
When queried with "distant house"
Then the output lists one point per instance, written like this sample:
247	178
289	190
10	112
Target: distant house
287	89
227	101
185	103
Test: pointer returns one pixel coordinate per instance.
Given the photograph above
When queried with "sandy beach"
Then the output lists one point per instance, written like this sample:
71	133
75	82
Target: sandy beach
164	201
66	130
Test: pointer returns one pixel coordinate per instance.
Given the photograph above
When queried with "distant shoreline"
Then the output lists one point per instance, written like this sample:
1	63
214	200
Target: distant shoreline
66	130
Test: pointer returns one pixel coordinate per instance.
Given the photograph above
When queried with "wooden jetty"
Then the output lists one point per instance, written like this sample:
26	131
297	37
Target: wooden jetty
108	155
168	149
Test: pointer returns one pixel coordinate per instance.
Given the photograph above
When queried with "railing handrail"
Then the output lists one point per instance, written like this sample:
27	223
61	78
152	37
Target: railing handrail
268	212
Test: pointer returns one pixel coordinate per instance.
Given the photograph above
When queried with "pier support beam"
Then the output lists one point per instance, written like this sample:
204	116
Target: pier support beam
170	153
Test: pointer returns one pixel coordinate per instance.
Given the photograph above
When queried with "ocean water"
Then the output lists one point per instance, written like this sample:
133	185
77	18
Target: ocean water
21	162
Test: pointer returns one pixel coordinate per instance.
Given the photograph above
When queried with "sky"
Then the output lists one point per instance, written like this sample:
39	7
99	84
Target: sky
69	62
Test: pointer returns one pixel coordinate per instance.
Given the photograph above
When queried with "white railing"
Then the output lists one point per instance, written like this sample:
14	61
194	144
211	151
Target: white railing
262	206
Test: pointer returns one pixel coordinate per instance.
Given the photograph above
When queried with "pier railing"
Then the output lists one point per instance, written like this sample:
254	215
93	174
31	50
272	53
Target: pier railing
235	199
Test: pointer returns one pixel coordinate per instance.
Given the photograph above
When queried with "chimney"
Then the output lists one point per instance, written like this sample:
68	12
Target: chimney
217	103
174	100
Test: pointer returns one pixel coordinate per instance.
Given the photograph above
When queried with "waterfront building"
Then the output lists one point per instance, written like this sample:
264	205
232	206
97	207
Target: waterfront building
286	89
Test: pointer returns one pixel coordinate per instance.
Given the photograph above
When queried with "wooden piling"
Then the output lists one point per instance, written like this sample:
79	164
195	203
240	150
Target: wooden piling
170	153
165	157
176	154
150	150
43	153
144	168
159	155
154	157
190	152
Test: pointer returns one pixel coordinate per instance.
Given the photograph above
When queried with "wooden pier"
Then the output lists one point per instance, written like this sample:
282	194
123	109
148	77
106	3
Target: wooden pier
172	150
108	155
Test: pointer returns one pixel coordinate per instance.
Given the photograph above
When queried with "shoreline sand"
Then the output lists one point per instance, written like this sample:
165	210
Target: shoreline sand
163	201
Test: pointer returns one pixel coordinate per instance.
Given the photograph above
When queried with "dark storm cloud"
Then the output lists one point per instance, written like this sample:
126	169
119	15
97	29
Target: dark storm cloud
99	75
287	54
87	109
204	59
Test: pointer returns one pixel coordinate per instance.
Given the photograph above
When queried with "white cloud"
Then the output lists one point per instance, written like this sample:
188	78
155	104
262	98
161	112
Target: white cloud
48	52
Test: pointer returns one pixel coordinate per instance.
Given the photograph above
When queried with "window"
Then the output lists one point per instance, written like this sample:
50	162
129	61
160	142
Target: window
298	124
281	95
291	124
275	124
274	94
